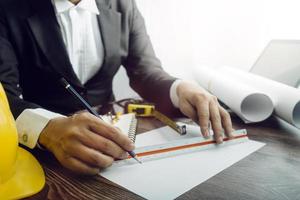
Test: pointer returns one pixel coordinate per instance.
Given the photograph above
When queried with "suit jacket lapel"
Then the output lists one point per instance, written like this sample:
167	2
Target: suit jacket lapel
46	30
110	28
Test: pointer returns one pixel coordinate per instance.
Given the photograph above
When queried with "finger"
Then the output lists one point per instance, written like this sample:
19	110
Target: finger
91	157
203	116
216	123
108	131
188	110
79	167
226	122
103	145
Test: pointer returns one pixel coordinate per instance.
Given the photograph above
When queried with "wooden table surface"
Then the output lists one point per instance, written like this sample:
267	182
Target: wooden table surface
273	172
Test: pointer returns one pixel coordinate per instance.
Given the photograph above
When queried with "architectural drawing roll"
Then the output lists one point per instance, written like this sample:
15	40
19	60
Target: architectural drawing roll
286	99
250	104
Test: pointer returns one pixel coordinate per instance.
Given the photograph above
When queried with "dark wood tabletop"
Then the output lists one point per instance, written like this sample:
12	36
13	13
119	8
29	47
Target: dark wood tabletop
272	172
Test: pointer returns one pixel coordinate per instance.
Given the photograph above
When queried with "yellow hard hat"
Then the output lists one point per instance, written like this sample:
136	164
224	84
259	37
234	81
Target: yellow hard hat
20	173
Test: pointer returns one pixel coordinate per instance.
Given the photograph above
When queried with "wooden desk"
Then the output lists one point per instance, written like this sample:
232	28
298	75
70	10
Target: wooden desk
273	172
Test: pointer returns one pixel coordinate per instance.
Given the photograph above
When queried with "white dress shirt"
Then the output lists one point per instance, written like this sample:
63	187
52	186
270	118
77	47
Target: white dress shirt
82	37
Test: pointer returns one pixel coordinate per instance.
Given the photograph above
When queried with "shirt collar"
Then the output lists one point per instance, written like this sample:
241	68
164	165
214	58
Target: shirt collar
64	5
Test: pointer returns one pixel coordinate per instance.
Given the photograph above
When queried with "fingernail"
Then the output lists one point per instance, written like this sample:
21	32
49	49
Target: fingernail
205	133
131	146
220	140
230	134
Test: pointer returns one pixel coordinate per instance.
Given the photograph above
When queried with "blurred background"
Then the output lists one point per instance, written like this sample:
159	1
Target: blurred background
193	33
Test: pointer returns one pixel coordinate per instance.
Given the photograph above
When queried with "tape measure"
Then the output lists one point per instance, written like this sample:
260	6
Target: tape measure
148	110
140	110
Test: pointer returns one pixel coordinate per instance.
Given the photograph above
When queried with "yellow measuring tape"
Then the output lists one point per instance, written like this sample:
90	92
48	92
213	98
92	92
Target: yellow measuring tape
146	110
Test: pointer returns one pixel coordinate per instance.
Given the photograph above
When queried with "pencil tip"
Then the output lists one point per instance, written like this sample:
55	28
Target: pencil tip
138	160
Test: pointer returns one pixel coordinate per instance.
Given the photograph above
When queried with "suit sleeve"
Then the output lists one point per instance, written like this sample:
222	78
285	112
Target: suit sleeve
9	74
144	69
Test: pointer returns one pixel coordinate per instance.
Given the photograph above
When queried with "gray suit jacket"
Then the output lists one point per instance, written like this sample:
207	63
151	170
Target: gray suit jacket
33	57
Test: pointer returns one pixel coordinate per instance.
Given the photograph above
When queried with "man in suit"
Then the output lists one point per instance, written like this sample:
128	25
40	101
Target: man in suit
86	41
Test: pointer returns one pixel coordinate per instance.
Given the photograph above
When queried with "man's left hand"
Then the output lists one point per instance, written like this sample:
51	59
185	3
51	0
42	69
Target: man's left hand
201	106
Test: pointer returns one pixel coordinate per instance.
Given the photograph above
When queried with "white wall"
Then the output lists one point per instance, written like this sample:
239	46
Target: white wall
187	33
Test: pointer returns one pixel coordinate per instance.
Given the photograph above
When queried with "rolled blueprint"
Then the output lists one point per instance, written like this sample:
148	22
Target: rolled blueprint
250	104
286	99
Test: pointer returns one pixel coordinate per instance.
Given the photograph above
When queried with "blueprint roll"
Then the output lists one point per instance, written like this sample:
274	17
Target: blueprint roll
250	104
286	99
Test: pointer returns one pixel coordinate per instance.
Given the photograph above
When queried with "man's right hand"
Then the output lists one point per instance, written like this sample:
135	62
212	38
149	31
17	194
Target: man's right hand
83	143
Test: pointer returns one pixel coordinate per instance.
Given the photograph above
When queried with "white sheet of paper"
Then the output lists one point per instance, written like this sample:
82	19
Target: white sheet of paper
165	134
170	177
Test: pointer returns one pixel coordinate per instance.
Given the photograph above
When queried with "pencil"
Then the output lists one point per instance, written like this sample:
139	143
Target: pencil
77	96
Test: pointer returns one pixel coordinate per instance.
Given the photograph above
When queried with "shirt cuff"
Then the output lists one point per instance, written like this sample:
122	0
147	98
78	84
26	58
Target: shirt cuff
31	123
173	93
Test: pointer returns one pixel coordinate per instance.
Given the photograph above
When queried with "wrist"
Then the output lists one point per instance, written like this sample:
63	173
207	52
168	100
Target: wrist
180	88
185	85
44	140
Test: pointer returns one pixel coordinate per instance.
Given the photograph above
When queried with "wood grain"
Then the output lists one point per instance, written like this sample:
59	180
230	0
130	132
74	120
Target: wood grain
273	172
